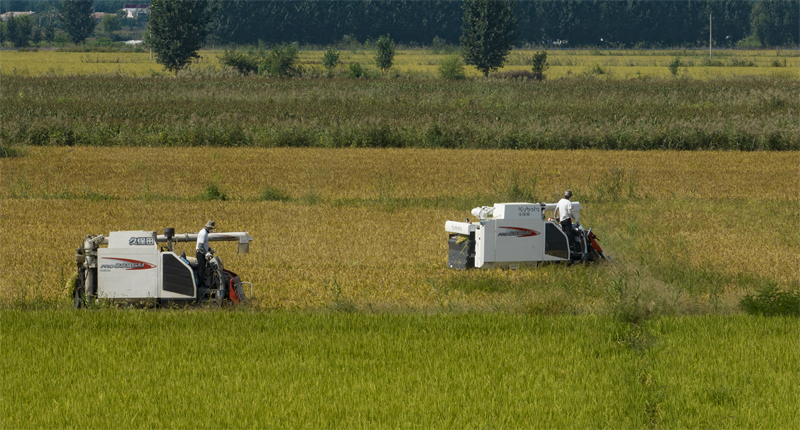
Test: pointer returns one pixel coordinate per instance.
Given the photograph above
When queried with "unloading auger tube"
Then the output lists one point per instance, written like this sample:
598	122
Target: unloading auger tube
137	250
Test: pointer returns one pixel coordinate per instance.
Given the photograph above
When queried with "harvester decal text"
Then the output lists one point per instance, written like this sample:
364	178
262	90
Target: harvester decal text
519	232
141	241
127	264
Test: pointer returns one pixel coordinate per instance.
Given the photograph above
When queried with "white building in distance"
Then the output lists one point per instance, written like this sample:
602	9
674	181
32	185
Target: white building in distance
133	10
7	15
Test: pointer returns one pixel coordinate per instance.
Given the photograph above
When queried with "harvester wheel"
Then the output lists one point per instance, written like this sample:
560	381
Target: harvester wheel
79	298
79	292
217	283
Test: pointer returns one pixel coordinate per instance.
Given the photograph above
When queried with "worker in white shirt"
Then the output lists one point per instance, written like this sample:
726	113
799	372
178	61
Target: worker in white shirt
563	214
202	250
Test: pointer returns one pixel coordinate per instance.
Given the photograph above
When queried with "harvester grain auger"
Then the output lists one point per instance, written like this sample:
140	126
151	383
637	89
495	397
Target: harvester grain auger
509	235
134	268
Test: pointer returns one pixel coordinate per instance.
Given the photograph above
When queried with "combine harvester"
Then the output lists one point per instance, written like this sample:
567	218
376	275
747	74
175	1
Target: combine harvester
132	269
509	235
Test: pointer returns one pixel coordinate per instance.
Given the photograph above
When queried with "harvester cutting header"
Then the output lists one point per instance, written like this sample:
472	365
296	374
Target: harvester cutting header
508	235
132	268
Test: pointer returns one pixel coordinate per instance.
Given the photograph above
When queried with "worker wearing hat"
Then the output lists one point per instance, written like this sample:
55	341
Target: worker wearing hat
202	250
563	214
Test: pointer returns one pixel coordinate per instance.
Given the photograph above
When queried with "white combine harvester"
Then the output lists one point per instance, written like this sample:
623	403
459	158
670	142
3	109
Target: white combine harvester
508	235
133	269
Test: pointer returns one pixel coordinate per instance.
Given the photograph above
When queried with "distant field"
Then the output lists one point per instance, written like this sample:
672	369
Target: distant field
741	113
564	63
363	229
203	369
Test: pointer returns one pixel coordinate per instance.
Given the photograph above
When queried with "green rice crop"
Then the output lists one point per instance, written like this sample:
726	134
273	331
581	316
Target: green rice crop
737	113
212	369
722	372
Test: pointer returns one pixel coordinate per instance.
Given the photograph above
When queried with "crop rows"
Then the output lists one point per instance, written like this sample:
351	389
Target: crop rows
737	113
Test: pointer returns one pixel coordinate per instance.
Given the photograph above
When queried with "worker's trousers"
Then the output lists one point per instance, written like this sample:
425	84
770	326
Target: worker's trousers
566	226
201	268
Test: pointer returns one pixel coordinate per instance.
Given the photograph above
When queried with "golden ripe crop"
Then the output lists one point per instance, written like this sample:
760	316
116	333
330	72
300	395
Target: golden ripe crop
363	228
331	174
563	63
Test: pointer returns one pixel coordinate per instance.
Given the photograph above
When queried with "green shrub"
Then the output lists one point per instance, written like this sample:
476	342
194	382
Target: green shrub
596	70
452	68
212	192
514	74
710	62
739	62
281	62
771	301
355	71
625	298
674	66
777	63
274	194
11	151
242	62
750	41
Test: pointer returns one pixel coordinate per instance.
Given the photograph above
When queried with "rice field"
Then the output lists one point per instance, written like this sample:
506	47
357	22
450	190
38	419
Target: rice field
202	369
363	229
624	64
355	322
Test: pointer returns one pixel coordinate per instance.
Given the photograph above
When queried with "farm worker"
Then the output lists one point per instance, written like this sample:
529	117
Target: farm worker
563	214
202	250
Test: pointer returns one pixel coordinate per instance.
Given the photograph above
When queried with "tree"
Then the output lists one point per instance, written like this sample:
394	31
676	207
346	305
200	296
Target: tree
49	32
384	58
109	24
776	23
540	65
19	30
330	59
36	35
77	19
488	33
178	29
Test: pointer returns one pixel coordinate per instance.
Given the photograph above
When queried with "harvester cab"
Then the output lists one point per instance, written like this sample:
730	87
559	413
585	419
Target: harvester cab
508	235
141	267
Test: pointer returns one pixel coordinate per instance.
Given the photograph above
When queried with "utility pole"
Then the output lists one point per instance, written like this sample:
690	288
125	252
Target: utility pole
709	36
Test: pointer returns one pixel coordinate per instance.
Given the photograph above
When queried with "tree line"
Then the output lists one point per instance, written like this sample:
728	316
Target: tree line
569	23
565	23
